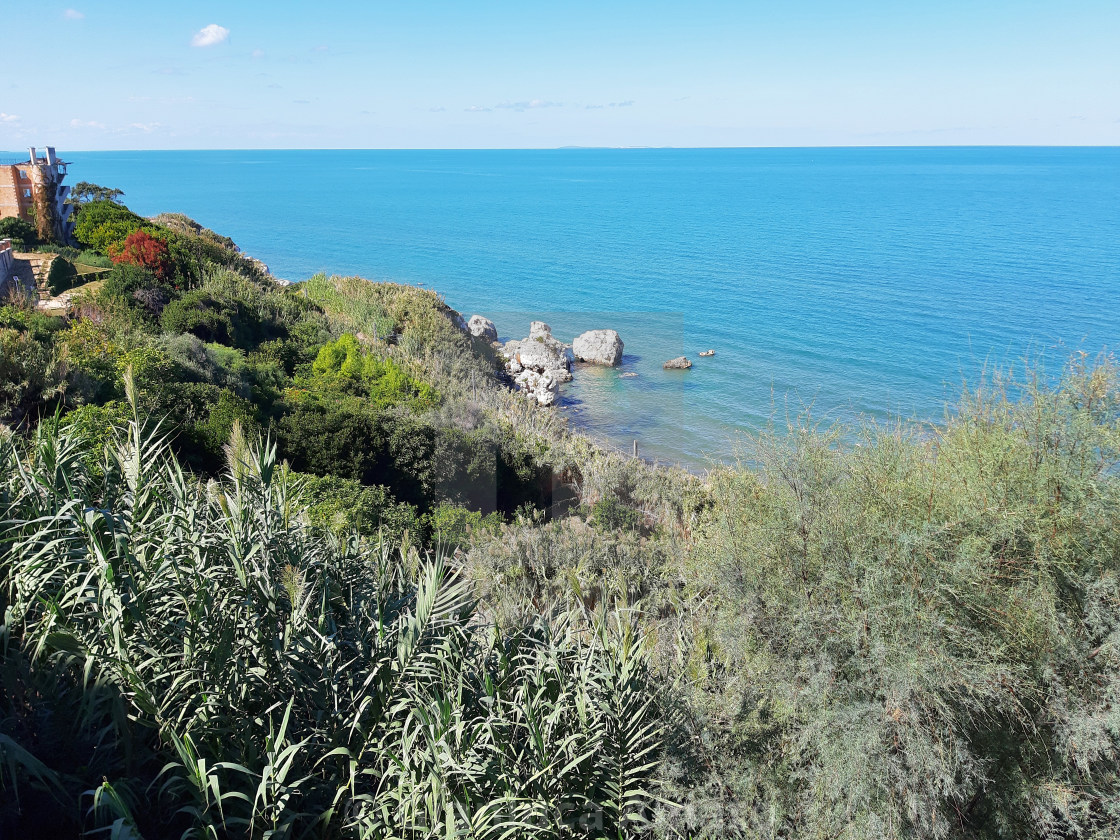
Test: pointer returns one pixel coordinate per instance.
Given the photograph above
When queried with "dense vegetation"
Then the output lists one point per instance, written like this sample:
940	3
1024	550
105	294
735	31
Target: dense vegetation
293	562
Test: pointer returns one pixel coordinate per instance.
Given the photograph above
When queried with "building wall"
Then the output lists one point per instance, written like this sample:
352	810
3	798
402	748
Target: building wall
20	181
15	180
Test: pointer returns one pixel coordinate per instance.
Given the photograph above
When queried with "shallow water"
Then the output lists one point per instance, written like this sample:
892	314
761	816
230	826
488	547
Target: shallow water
855	282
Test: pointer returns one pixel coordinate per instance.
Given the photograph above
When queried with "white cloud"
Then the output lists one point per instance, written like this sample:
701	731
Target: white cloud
209	35
8	118
147	128
474	109
73	14
76	123
532	103
257	54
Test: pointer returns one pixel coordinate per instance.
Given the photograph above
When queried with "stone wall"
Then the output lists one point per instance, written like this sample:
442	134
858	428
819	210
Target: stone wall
7	258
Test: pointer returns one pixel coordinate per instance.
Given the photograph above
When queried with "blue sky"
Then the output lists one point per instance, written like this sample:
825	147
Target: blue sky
395	74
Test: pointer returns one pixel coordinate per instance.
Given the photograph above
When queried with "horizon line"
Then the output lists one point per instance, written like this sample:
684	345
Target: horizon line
576	147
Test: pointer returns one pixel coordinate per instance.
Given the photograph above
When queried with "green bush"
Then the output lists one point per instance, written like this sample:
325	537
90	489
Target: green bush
30	375
611	514
916	637
62	276
452	526
102	225
345	505
20	231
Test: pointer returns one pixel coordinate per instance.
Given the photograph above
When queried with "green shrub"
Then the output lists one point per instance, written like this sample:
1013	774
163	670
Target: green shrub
20	231
30	375
102	225
345	505
345	361
611	514
453	526
916	637
62	276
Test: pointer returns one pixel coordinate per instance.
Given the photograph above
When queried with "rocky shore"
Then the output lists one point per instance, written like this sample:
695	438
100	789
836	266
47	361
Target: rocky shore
539	362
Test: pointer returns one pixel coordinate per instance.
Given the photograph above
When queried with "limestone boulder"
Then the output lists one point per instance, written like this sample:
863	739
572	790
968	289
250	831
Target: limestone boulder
679	363
538	356
481	327
598	347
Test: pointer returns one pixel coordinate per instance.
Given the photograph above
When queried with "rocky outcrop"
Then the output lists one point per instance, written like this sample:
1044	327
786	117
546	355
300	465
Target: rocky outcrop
679	363
598	347
543	387
539	363
481	327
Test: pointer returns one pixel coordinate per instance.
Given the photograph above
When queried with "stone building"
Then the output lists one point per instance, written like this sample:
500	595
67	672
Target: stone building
28	186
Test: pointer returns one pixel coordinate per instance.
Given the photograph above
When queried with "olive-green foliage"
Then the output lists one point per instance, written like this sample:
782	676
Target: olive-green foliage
30	375
345	505
200	663
20	231
917	636
454	527
232	309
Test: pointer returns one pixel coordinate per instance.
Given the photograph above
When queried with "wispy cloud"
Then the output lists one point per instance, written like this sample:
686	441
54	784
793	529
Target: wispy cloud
8	118
209	35
147	128
76	123
532	103
73	14
477	109
436	109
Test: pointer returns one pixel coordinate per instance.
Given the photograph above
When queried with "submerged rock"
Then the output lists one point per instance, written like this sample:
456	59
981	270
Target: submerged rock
482	328
679	363
599	347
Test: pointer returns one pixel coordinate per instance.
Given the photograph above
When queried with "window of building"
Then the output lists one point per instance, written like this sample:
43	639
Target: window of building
27	193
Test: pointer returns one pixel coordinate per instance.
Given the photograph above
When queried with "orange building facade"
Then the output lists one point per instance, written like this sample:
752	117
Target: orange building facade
21	184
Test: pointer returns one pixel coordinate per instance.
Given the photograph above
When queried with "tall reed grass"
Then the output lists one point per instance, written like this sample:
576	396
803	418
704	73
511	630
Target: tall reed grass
194	660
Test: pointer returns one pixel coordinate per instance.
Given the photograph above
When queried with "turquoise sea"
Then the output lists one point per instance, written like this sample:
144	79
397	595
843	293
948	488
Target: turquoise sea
848	282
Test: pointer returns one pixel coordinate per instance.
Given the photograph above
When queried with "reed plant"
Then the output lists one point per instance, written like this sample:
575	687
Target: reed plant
193	659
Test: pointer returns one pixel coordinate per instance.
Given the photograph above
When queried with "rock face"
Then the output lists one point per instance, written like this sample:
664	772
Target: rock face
599	347
539	363
482	328
679	363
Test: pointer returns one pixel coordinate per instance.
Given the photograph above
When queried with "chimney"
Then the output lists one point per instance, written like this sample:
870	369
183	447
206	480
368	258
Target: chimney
51	159
32	151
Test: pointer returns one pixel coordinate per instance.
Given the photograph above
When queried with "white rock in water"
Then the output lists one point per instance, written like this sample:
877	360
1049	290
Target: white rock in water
679	363
599	347
541	356
482	328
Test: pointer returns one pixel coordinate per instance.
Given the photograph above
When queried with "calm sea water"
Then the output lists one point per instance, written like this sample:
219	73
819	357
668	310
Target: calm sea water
855	282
